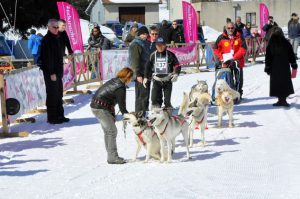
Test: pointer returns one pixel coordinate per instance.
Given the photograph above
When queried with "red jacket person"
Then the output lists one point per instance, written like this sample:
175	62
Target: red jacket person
231	43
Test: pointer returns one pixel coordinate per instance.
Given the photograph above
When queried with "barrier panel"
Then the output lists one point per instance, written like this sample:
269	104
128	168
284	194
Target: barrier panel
112	61
186	54
28	87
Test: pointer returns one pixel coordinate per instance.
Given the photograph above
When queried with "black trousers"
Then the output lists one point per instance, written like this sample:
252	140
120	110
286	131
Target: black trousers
241	80
142	95
54	102
160	89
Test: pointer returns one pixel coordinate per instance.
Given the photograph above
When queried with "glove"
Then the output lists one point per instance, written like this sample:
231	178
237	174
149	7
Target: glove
145	82
174	78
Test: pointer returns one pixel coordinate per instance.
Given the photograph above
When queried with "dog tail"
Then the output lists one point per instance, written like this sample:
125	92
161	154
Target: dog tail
235	94
184	104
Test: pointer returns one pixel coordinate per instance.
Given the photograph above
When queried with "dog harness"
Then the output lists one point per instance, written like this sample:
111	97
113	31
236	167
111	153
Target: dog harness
141	133
141	138
199	123
178	119
164	130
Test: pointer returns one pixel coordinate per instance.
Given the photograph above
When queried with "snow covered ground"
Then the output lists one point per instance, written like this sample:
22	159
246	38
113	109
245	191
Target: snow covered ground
259	158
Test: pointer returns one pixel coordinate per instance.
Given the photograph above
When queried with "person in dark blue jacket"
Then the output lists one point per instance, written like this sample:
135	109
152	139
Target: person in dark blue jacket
247	31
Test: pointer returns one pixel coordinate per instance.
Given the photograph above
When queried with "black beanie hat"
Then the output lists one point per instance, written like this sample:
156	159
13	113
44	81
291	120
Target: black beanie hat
143	30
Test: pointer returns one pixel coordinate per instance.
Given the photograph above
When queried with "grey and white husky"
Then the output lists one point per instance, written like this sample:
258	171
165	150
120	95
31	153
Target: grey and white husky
144	135
199	88
197	112
167	128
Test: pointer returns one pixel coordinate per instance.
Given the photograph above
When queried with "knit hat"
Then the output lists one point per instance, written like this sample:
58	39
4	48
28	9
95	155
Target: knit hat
143	30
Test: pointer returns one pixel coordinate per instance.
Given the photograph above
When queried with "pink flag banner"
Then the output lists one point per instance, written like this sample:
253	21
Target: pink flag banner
263	16
69	76
70	15
189	23
185	55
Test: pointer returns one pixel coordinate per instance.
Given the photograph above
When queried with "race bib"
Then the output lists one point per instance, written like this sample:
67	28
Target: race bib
161	65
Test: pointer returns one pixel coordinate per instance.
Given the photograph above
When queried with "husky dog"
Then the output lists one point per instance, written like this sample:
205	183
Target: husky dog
221	86
167	128
199	88
197	111
225	104
144	135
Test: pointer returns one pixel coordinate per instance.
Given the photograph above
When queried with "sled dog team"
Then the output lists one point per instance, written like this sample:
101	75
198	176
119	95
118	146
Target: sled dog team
157	134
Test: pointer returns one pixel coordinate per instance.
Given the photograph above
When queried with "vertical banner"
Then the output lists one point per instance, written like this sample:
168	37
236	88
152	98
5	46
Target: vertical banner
263	16
70	15
189	23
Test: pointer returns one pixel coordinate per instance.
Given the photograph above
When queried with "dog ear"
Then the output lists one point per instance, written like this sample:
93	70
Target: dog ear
140	114
193	103
125	118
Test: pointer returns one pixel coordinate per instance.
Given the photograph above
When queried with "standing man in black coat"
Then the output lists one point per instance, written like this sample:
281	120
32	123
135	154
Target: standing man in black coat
268	26
65	41
279	59
165	32
239	26
52	66
177	35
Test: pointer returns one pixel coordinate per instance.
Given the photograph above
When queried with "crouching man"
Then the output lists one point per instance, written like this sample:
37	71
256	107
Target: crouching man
163	68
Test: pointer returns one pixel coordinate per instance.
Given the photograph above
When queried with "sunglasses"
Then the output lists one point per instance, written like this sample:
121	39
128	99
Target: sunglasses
230	28
154	34
174	24
56	27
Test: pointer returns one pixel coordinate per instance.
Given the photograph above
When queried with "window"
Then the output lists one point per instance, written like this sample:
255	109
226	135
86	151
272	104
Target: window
251	17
